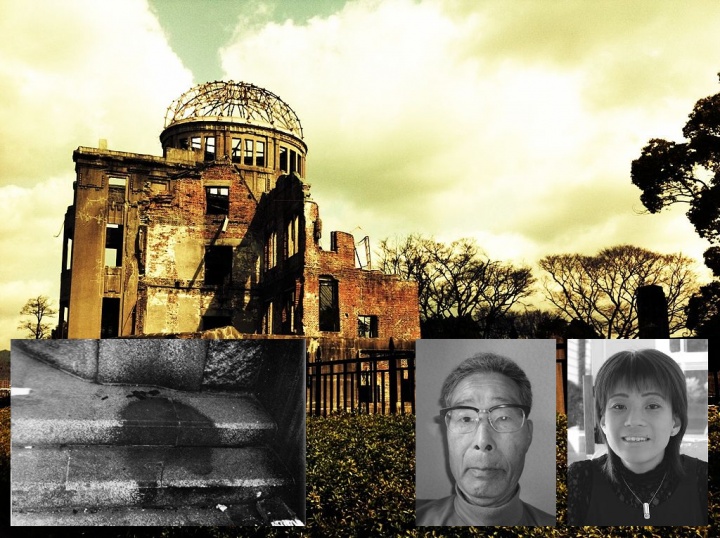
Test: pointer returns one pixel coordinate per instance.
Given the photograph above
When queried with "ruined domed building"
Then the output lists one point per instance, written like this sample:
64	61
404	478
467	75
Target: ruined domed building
220	230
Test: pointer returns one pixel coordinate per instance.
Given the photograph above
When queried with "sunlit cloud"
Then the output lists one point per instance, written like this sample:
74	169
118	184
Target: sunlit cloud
514	123
71	73
511	122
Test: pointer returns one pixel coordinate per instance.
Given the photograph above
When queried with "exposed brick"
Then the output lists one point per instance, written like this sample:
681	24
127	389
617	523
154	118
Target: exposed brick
160	285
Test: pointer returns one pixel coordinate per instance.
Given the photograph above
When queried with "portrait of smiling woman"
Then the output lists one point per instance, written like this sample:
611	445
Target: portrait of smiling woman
642	478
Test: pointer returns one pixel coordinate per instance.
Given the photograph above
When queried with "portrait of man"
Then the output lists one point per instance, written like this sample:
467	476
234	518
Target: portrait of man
486	410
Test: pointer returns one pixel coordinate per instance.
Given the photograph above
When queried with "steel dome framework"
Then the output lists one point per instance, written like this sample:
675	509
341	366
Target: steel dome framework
239	101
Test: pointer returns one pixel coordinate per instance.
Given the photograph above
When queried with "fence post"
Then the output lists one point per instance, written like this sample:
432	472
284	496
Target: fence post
358	381
392	366
318	381
411	380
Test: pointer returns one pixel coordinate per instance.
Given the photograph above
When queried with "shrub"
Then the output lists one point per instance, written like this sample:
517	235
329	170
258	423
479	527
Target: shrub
361	482
361	475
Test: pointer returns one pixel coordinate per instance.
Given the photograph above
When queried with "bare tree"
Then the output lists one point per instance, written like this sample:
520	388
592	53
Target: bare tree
457	280
40	308
600	290
410	258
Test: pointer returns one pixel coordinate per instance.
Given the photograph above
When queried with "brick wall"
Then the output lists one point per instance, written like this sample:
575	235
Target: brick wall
360	292
178	232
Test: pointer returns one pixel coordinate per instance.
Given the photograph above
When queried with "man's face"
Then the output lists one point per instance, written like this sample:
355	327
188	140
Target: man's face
486	464
638	426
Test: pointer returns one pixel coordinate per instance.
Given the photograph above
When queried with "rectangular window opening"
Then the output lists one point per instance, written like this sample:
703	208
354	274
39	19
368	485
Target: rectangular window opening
68	254
329	307
248	152
210	148
271	250
113	245
236	150
260	154
217	200
292	236
110	317
184	143
117	182
218	265
367	326
283	159
195	143
63	323
293	161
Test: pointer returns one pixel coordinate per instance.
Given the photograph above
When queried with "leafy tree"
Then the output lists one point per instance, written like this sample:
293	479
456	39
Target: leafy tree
40	308
688	172
704	311
600	290
461	290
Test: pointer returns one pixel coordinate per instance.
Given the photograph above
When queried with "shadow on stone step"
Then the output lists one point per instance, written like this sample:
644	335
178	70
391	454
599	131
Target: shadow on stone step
161	421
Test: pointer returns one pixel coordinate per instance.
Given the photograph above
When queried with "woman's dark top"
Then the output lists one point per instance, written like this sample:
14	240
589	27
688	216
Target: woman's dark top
594	500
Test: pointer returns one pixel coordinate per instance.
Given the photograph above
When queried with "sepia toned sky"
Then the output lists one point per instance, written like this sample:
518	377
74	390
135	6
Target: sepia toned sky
513	122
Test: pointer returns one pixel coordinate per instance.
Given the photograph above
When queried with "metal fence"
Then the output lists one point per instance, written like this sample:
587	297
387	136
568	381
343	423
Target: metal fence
560	374
376	381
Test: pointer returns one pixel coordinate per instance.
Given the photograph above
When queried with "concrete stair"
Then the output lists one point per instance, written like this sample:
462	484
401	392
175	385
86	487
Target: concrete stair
112	476
85	453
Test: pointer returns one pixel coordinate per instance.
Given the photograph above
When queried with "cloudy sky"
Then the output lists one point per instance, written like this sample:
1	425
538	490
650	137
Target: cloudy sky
511	122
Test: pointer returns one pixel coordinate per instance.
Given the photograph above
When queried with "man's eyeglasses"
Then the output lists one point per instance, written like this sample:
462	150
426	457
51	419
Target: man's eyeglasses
504	418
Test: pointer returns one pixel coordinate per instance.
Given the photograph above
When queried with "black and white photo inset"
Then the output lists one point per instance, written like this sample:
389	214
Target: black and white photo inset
637	432
158	432
485	432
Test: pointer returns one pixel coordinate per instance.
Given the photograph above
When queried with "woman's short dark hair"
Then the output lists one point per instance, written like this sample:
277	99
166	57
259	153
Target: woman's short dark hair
486	363
640	369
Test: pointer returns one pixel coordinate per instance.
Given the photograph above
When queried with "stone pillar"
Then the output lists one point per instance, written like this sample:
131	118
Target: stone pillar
652	312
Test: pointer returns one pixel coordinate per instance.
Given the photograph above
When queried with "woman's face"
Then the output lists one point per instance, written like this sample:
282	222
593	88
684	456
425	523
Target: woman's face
638	425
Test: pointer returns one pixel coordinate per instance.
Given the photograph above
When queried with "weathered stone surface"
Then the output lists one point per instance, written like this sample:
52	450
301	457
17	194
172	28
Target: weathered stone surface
103	476
78	357
174	364
233	364
131	516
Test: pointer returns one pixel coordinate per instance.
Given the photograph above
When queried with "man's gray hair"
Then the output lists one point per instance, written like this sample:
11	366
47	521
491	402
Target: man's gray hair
486	363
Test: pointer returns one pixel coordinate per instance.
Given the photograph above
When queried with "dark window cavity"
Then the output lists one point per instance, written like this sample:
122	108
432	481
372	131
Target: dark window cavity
113	245
367	327
259	153
236	150
329	307
218	200
210	148
248	152
218	265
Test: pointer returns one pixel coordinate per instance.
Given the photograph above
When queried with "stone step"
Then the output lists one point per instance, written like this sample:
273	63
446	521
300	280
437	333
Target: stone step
79	477
174	420
272	511
57	408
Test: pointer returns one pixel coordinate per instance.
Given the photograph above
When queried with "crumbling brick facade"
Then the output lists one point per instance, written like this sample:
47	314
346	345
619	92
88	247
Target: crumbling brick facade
218	231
